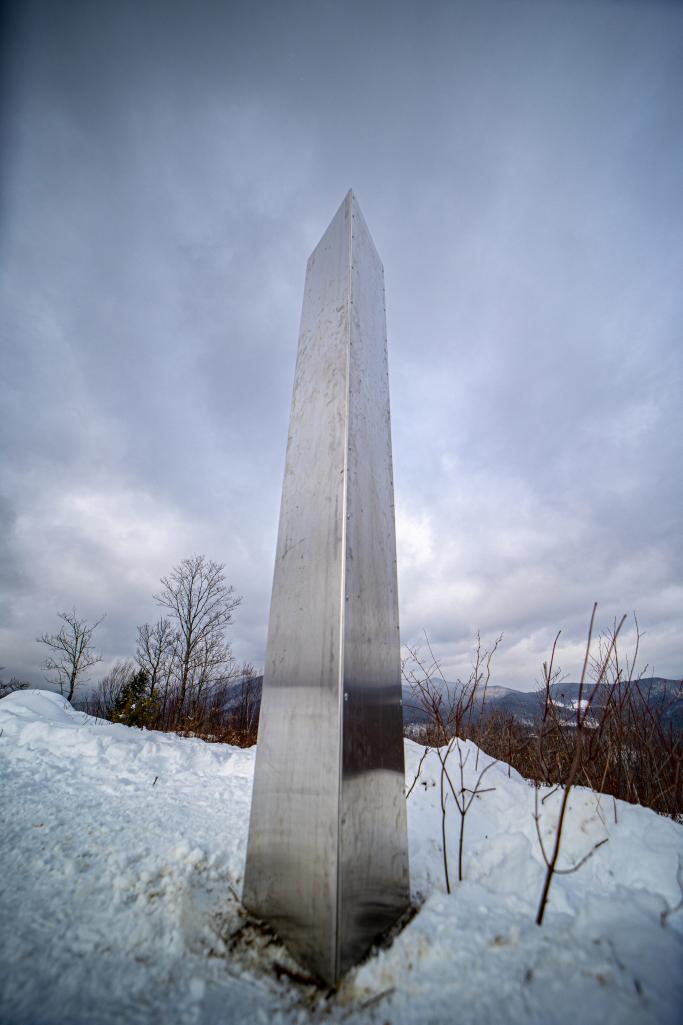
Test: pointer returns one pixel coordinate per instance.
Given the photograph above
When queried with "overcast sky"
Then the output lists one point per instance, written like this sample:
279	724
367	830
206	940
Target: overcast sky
166	170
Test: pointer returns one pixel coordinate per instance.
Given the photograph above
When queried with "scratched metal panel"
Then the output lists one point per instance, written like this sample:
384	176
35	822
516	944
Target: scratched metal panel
374	887
291	870
327	851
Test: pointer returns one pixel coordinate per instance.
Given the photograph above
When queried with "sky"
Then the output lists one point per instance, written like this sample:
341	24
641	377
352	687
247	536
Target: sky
165	171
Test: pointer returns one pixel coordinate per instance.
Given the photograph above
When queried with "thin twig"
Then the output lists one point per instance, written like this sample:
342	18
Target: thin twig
419	769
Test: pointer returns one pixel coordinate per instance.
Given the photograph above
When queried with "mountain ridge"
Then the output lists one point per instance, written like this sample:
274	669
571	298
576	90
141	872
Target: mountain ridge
526	706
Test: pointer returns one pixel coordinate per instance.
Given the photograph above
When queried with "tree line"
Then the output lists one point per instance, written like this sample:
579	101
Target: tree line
183	675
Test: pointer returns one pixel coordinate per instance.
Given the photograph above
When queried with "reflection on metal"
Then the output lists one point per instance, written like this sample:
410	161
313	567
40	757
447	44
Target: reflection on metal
327	858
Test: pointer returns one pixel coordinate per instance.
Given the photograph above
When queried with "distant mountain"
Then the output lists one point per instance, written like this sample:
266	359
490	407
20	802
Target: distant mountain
245	689
664	697
525	706
652	688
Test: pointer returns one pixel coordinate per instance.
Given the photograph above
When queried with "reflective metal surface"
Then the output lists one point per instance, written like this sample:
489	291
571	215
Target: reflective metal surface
327	858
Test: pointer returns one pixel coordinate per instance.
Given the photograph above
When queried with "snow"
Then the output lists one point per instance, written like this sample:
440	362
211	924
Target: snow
121	860
573	704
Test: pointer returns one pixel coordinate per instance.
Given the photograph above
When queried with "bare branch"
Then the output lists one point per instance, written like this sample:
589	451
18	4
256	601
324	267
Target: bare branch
71	652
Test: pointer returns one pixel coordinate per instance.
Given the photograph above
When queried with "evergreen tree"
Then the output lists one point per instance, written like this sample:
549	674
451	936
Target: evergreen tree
135	706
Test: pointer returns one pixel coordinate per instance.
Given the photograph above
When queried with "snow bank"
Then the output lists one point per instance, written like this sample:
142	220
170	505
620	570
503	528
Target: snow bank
41	721
121	858
501	846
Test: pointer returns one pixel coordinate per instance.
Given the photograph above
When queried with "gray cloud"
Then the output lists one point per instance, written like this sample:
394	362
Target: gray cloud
167	169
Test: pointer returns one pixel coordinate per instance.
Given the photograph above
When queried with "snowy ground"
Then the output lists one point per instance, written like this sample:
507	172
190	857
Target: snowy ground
121	857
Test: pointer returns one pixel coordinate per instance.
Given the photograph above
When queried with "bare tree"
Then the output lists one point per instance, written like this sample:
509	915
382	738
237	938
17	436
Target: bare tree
245	711
450	709
71	652
201	605
103	699
154	654
580	751
463	802
454	713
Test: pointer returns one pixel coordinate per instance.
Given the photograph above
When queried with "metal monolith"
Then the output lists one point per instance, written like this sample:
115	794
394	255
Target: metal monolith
327	857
